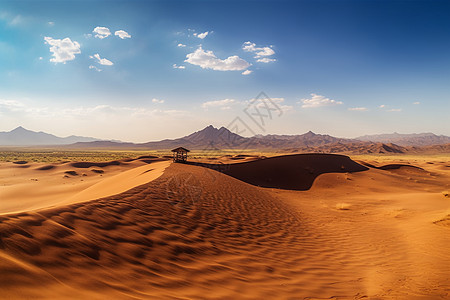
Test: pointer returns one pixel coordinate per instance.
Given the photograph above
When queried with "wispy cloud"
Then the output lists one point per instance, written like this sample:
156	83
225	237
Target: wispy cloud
109	110
394	110
12	19
122	34
280	102
175	66
318	101
382	106
95	68
158	101
181	45
358	109
416	103
208	60
266	60
62	50
101	32
102	61
222	104
89	112
247	72
201	35
8	106
261	53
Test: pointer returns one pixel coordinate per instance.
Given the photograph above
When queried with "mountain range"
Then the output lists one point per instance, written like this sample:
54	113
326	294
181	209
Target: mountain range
414	139
24	137
211	138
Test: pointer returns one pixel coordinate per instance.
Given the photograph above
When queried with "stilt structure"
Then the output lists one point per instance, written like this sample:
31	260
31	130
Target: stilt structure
180	154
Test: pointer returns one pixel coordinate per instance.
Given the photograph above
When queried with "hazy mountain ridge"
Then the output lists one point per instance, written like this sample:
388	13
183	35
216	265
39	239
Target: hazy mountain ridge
413	139
24	137
352	148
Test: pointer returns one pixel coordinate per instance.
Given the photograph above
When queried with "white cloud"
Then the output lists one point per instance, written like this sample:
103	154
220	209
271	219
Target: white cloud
41	58
51	23
63	50
394	109
201	35
159	101
261	53
382	106
358	109
181	45
102	61
416	103
225	103
266	60
122	34
207	60
101	32
318	101
95	68
175	66
247	72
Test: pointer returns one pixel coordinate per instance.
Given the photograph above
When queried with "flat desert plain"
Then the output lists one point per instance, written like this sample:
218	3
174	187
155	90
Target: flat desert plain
306	226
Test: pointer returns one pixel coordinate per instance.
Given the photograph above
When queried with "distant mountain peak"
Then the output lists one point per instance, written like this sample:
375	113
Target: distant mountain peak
20	128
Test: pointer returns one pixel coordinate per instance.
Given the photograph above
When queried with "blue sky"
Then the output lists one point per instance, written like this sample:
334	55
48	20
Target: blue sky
168	68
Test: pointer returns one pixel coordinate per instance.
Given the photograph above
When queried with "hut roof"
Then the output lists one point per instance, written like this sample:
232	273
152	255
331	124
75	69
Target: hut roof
180	149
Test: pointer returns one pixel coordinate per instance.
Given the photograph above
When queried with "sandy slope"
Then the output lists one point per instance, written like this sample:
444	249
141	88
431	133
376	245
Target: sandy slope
25	187
194	233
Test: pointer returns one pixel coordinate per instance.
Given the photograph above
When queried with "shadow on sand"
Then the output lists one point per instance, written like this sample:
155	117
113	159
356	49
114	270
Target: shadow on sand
291	172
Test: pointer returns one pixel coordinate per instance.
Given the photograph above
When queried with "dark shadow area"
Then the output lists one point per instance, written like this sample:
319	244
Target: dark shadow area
291	172
390	166
45	168
86	164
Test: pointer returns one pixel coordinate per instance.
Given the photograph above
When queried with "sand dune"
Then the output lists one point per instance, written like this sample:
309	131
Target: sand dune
40	186
195	233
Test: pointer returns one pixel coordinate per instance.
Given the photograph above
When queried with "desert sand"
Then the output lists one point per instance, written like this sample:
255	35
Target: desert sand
308	226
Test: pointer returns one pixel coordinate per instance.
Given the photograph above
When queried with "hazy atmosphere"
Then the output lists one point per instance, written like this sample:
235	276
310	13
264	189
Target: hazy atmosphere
148	70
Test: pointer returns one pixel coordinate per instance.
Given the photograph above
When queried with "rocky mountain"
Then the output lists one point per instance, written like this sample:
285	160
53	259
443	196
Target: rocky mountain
211	138
23	137
414	139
